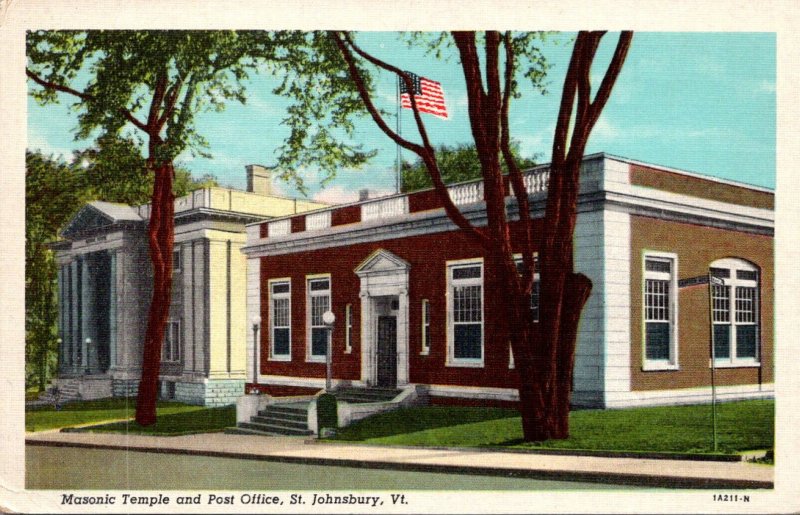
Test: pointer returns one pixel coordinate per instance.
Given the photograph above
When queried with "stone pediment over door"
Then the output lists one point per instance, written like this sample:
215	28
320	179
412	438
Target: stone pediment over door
382	262
97	215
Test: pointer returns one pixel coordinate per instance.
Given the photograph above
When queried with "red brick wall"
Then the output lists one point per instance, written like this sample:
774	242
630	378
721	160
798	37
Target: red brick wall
346	215
427	255
299	223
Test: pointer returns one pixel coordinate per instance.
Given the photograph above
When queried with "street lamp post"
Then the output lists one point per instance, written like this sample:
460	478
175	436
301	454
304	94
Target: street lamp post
86	357
328	318
256	326
59	364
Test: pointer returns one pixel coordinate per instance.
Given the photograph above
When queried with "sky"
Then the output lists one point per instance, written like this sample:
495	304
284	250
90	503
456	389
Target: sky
701	102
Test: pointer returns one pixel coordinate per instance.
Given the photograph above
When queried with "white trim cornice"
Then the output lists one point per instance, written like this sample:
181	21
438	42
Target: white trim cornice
635	200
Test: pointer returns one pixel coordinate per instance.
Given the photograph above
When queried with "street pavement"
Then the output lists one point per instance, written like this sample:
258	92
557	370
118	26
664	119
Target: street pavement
624	471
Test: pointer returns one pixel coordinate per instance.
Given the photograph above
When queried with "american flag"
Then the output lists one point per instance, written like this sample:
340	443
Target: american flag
428	94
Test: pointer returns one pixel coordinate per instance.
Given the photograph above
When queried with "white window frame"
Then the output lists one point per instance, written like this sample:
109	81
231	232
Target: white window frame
309	328
425	313
451	360
348	328
734	265
672	277
171	348
272	297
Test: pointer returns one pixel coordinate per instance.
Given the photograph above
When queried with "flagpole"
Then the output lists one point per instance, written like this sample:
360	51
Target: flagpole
398	174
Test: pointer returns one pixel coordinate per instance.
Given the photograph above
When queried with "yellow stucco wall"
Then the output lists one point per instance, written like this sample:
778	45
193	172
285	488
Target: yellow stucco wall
218	309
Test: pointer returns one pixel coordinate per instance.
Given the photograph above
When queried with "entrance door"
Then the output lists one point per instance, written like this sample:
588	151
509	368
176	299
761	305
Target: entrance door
387	351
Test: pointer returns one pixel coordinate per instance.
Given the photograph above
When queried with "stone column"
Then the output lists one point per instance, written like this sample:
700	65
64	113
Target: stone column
112	310
366	337
74	301
61	332
402	337
88	356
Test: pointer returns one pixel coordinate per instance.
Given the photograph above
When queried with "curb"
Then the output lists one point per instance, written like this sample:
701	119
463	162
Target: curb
619	478
643	455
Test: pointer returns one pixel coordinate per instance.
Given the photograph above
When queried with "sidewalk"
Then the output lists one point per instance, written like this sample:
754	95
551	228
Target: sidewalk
623	471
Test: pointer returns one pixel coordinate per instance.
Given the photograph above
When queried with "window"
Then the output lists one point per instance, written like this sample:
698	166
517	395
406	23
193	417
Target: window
426	326
348	328
660	306
280	316
465	314
176	259
319	301
734	307
171	350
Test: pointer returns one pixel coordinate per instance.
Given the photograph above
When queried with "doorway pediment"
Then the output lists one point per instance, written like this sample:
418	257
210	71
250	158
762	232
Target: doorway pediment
380	262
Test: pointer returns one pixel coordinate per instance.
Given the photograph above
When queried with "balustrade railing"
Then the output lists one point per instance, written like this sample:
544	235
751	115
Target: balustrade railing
536	180
317	221
279	228
386	208
466	193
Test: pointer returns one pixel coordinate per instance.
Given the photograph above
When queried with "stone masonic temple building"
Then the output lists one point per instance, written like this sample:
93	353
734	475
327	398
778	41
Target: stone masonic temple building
254	272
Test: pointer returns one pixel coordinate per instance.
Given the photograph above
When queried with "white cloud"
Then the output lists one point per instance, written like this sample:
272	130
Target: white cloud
605	129
767	86
38	142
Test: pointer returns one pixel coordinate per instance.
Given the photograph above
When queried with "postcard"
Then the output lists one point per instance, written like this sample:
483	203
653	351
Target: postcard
328	258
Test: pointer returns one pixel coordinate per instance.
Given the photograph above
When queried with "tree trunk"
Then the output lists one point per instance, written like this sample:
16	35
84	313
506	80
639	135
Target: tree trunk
161	238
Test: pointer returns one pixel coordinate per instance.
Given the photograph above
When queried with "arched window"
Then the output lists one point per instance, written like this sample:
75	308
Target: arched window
735	314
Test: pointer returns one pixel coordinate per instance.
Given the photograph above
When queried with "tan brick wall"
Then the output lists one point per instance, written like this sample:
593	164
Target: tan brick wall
702	188
697	247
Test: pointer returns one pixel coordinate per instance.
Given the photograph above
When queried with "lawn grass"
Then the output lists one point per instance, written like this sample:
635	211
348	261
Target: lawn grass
87	412
201	420
742	426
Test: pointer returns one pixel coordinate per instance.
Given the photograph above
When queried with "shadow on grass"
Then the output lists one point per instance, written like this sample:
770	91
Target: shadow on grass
419	419
95	405
205	420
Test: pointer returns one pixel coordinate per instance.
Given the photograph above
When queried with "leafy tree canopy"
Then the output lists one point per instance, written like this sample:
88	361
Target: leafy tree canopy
117	77
458	163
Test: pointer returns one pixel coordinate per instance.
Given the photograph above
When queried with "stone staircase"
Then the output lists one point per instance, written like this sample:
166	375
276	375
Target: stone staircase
355	395
62	390
289	419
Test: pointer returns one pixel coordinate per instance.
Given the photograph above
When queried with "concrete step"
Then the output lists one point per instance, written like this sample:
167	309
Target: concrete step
243	431
285	413
273	429
276	421
362	395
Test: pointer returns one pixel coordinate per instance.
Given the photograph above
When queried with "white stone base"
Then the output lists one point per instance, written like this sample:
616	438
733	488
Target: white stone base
248	406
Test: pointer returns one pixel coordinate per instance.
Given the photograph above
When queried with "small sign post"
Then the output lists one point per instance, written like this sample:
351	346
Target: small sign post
713	281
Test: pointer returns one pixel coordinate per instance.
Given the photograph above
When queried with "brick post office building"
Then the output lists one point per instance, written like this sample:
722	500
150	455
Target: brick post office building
407	291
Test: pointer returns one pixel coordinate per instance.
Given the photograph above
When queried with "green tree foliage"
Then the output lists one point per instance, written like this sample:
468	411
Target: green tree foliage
53	192
458	163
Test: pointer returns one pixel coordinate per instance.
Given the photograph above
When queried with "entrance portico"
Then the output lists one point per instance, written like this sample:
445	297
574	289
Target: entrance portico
384	319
